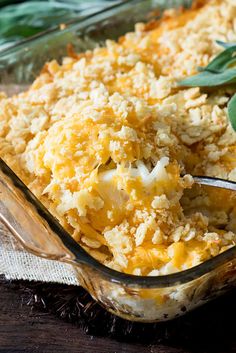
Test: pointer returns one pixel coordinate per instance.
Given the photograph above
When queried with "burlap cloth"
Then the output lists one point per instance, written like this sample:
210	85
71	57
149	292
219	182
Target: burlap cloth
16	263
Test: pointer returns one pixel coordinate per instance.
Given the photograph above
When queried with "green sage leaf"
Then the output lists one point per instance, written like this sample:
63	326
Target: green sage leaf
210	79
222	61
220	71
232	111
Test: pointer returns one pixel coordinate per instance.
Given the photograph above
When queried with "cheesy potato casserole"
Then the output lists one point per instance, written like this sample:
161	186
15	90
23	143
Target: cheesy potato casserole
108	141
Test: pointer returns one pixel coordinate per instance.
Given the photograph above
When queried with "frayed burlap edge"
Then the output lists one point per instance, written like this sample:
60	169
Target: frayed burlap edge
16	263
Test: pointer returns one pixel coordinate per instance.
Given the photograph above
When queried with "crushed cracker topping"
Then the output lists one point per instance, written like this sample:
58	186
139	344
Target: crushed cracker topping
104	138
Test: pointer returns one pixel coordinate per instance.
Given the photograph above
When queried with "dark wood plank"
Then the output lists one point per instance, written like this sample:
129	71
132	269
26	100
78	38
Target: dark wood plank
32	332
25	331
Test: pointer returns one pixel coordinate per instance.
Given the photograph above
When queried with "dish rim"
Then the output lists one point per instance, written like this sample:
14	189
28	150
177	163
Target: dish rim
81	256
68	26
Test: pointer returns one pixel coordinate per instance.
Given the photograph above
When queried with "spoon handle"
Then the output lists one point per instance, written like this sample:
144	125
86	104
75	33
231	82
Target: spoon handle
215	182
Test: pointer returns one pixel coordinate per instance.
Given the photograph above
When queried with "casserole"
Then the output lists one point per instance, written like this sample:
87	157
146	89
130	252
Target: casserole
139	298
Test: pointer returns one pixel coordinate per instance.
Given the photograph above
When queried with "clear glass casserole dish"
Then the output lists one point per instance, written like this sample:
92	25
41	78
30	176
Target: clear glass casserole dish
137	298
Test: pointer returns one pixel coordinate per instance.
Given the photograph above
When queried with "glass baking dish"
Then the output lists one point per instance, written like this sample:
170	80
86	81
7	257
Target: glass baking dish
136	298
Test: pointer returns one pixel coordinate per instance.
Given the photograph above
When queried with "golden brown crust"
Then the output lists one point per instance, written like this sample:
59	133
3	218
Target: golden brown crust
177	17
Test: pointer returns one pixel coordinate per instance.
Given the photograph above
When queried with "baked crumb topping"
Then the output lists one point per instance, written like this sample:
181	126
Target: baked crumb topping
103	139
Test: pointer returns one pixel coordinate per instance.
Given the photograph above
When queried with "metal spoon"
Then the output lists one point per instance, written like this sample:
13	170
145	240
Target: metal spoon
215	182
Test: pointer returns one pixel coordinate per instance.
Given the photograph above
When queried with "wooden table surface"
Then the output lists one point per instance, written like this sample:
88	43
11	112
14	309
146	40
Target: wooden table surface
24	330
